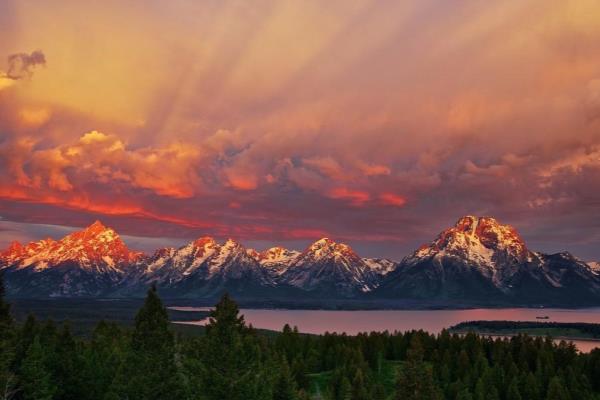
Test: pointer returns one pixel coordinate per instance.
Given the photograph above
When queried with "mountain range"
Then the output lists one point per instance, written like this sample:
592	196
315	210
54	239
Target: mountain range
477	261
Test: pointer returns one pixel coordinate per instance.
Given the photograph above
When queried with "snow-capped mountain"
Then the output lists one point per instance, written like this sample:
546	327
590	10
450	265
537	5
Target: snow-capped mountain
328	267
82	263
479	258
205	267
594	266
277	259
96	247
381	266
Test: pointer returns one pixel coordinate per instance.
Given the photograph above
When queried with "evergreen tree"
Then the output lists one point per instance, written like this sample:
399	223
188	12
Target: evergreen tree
513	392
378	392
231	356
36	379
285	387
415	380
464	395
5	316
102	358
345	390
7	347
556	390
529	388
359	387
67	367
149	370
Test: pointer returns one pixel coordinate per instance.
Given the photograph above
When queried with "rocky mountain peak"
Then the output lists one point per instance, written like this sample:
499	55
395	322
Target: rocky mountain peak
276	253
325	247
204	242
483	232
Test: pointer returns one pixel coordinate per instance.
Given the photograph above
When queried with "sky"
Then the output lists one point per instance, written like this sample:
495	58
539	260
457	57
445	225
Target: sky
375	123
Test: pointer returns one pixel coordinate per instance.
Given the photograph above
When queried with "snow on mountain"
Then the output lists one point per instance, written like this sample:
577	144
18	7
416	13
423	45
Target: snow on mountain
84	263
326	265
477	259
480	258
201	266
381	266
495	250
96	248
277	259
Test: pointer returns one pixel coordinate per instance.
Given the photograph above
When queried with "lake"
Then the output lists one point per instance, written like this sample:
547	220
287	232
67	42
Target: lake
433	321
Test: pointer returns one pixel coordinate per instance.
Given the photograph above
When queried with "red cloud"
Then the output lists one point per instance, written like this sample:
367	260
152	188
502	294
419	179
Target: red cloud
392	199
356	197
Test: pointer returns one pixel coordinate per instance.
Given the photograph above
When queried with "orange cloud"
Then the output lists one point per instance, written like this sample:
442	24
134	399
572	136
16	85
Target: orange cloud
327	166
355	197
5	81
392	199
242	181
84	203
374	169
168	171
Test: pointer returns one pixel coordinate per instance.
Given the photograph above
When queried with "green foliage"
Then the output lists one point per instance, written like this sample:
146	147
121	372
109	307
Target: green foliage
233	361
149	370
233	365
7	348
285	385
36	378
415	380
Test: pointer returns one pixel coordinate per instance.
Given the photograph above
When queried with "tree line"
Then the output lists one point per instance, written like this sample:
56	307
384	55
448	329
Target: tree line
584	328
233	361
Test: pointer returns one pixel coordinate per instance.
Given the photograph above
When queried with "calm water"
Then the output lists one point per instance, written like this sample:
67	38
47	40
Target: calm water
353	322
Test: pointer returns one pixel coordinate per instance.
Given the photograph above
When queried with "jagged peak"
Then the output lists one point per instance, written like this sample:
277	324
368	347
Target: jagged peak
253	254
277	253
162	251
231	243
481	236
327	246
203	241
275	250
323	242
95	231
96	225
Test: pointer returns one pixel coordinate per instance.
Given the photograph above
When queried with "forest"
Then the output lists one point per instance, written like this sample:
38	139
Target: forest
229	359
571	329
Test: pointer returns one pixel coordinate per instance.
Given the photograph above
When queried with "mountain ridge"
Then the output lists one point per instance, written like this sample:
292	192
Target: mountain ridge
477	258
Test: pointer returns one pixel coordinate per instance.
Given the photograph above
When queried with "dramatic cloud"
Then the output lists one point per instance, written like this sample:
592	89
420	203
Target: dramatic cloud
21	65
377	123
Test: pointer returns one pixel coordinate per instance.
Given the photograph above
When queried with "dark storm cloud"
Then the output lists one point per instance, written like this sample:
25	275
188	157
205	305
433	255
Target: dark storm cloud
21	65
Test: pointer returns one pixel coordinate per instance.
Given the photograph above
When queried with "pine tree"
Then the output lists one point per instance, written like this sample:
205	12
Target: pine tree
480	390
5	316
415	379
67	367
7	347
231	356
464	395
345	390
529	388
556	390
149	371
101	359
359	387
378	392
36	379
285	387
513	392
